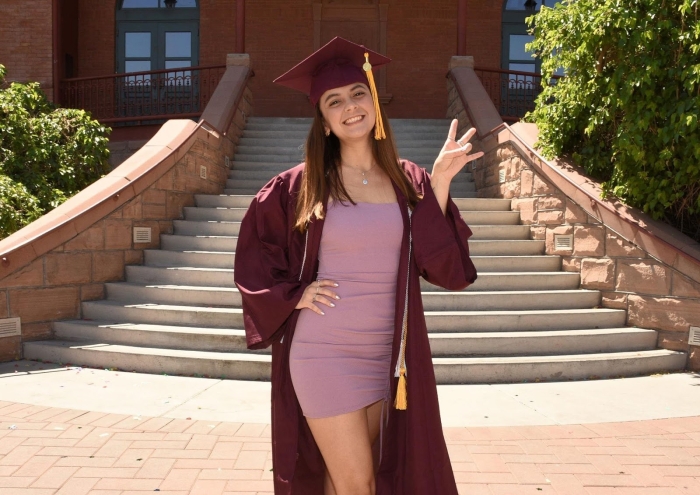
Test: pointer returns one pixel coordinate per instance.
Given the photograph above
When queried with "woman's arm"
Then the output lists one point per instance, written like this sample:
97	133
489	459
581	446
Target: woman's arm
269	288
440	240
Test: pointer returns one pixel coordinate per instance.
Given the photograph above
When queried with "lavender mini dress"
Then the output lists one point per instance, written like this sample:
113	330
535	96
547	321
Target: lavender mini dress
340	362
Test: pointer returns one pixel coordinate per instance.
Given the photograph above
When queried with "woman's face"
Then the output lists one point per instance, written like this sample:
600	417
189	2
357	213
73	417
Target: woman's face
348	111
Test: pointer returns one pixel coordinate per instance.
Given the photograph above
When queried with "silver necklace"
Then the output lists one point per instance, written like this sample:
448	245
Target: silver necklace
364	179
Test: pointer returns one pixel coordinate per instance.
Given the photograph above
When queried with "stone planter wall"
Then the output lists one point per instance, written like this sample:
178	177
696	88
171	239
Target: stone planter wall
65	257
632	272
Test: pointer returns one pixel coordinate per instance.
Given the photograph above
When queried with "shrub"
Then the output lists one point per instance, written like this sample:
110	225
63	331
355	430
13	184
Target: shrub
47	154
628	108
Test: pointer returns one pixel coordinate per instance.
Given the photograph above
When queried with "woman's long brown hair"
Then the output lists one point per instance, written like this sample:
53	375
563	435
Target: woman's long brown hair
322	170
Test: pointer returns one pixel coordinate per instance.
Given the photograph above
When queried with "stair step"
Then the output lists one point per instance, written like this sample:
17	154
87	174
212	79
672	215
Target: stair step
127	292
173	294
500	232
537	343
203	259
253	191
265	175
198	228
501	247
438	321
163	336
516	263
201	242
491	217
223	277
243	201
254	366
462	185
510	300
220	244
225	259
217	214
222	201
517	281
541	343
226	365
556	368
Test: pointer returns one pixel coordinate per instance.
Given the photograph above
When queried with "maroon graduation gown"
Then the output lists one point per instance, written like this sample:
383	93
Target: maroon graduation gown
273	266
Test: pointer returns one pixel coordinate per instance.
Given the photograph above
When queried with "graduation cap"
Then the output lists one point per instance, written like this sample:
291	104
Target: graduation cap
338	63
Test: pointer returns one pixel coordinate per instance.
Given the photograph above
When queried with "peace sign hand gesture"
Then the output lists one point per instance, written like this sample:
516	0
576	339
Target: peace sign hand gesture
454	154
452	158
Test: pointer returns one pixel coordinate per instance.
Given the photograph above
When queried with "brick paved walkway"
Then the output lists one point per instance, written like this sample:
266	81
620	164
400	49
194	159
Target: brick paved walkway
52	451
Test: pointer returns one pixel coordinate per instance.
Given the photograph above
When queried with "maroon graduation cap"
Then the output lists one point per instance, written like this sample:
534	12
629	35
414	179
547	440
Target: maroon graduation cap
338	63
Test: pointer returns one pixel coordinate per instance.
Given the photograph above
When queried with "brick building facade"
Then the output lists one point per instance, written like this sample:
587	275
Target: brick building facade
47	39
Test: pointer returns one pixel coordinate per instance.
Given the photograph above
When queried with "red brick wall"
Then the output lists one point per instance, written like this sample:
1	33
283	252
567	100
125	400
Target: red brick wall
96	38
217	30
484	32
421	38
26	45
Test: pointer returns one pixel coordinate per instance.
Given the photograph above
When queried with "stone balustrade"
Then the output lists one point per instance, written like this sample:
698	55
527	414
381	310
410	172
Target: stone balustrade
66	256
640	265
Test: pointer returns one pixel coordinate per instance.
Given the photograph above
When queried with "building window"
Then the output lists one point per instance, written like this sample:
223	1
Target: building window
155	4
514	56
151	36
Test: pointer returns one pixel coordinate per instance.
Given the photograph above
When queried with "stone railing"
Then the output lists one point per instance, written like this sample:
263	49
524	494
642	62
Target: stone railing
66	256
640	265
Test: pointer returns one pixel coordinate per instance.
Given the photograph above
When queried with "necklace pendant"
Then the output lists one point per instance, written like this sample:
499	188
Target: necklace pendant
364	181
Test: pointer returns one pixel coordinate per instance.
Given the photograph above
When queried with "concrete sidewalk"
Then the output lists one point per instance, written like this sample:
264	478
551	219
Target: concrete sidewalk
76	431
555	403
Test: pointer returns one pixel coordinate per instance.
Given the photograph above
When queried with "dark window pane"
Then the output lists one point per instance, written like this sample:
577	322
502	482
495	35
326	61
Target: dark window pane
138	45
140	4
178	44
137	65
517	46
186	3
520	5
522	67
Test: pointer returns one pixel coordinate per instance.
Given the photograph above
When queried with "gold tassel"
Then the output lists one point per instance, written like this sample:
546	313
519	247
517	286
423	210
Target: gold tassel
379	127
401	401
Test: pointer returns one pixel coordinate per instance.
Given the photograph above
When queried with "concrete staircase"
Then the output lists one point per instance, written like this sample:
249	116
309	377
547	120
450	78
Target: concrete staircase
523	320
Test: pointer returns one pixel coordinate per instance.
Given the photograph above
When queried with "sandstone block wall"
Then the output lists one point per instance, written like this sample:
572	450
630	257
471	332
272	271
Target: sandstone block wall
655	294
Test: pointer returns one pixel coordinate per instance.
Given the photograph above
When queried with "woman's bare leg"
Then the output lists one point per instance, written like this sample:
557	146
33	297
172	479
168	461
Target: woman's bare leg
345	442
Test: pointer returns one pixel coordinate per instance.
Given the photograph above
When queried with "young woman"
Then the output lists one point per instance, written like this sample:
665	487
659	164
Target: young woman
328	262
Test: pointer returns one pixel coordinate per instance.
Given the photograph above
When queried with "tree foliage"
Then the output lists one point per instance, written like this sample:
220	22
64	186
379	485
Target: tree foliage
628	108
47	154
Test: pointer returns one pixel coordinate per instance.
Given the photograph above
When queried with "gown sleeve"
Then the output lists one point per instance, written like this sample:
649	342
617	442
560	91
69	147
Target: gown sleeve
262	272
440	242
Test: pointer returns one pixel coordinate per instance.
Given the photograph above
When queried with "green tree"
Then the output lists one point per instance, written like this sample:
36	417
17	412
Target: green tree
47	154
627	110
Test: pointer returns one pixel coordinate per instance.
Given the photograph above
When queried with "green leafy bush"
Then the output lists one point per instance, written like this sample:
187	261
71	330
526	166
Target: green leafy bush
628	108
47	154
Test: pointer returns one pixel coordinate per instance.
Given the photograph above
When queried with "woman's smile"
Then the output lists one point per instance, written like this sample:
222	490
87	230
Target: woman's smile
354	120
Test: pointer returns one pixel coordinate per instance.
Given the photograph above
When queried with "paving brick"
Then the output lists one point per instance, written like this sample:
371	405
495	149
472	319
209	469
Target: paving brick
180	479
54	477
77	486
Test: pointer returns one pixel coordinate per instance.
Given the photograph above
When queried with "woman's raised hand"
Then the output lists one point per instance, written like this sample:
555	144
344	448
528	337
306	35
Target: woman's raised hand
454	155
317	292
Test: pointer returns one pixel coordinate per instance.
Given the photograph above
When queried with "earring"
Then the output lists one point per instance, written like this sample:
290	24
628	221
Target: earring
328	132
